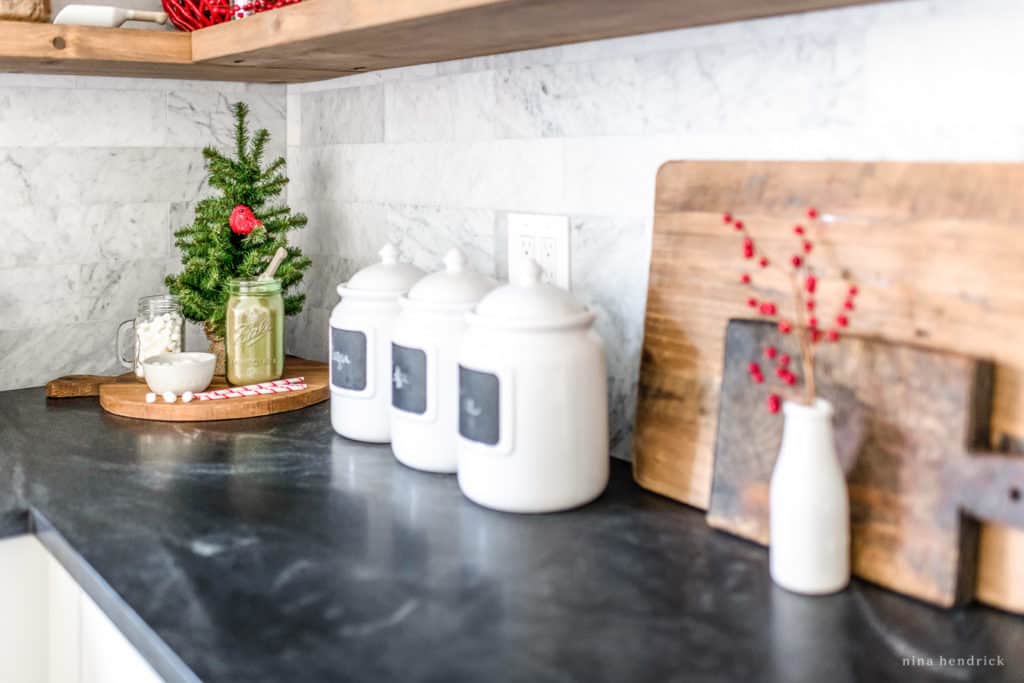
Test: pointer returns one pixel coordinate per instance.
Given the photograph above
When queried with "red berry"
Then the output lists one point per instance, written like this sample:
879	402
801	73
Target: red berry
763	262
796	260
784	359
812	322
748	252
789	379
768	308
833	336
810	284
748	243
739	225
757	377
770	352
853	290
754	368
812	213
774	403
745	279
785	327
799	229
848	304
727	218
752	302
808	246
810	304
815	335
842	320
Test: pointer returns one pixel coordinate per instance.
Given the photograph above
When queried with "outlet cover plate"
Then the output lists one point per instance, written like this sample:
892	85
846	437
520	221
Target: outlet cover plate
545	238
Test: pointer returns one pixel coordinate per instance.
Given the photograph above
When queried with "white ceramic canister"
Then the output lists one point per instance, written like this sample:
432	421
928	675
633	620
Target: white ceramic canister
809	507
533	404
360	347
424	364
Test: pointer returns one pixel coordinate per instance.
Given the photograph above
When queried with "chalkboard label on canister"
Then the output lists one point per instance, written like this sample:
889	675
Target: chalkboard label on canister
409	379
348	359
479	406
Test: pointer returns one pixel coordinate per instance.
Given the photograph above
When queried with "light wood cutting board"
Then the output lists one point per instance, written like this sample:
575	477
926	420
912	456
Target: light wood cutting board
123	395
937	250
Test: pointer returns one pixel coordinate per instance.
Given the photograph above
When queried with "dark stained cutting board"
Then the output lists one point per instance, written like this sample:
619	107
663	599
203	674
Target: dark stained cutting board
910	426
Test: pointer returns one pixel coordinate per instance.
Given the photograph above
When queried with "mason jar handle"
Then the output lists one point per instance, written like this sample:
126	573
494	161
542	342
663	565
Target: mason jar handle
120	347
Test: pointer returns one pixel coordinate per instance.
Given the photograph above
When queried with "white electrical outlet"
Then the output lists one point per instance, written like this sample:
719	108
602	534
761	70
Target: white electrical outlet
543	238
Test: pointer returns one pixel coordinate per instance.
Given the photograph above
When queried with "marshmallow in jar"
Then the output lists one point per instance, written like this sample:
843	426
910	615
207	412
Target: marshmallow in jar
533	405
158	327
424	364
360	347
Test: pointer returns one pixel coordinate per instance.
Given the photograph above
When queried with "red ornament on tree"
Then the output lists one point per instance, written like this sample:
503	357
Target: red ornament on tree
243	220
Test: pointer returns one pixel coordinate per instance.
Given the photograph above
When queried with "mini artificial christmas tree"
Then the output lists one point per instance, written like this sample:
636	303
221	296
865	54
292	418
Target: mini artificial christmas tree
235	233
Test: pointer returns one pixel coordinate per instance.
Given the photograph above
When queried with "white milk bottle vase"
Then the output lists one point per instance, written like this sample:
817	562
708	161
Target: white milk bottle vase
809	505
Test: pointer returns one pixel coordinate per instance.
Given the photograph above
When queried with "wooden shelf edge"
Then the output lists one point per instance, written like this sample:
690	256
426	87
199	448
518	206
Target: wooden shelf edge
343	37
322	39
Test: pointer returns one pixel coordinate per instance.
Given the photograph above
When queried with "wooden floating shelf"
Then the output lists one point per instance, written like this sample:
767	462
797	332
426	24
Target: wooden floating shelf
320	39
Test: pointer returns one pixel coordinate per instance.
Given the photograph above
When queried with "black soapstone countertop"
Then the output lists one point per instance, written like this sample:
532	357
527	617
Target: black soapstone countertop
271	549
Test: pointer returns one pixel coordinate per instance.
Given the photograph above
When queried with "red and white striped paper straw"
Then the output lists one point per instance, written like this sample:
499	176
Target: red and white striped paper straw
279	386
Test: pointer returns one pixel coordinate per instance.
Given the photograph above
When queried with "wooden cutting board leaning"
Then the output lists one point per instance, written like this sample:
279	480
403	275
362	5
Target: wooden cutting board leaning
124	395
936	249
911	427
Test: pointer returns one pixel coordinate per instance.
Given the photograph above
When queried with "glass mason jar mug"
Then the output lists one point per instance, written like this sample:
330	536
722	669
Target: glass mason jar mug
255	331
158	327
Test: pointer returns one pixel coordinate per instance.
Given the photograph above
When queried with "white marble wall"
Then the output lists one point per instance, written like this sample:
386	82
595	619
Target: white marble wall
95	174
434	155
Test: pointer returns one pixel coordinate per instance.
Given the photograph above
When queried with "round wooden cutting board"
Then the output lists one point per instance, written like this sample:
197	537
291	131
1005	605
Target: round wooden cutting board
128	399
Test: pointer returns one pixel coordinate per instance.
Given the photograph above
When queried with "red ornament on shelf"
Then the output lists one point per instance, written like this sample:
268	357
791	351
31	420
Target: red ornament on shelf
243	220
191	15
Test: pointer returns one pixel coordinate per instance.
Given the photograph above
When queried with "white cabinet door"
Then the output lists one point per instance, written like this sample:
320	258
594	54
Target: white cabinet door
107	656
65	600
23	614
51	631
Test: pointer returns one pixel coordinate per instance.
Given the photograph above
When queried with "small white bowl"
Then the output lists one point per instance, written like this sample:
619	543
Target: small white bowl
179	372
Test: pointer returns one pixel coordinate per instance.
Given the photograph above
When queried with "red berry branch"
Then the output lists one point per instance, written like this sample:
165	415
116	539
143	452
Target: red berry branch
804	323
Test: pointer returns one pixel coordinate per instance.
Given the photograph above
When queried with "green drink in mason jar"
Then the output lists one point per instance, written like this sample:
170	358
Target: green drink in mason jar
255	331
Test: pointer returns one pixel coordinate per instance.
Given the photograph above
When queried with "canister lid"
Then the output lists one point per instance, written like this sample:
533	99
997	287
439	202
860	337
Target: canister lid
387	277
528	302
456	284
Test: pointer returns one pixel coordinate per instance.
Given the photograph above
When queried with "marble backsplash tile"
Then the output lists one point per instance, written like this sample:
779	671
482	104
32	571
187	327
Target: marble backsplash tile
443	152
95	174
